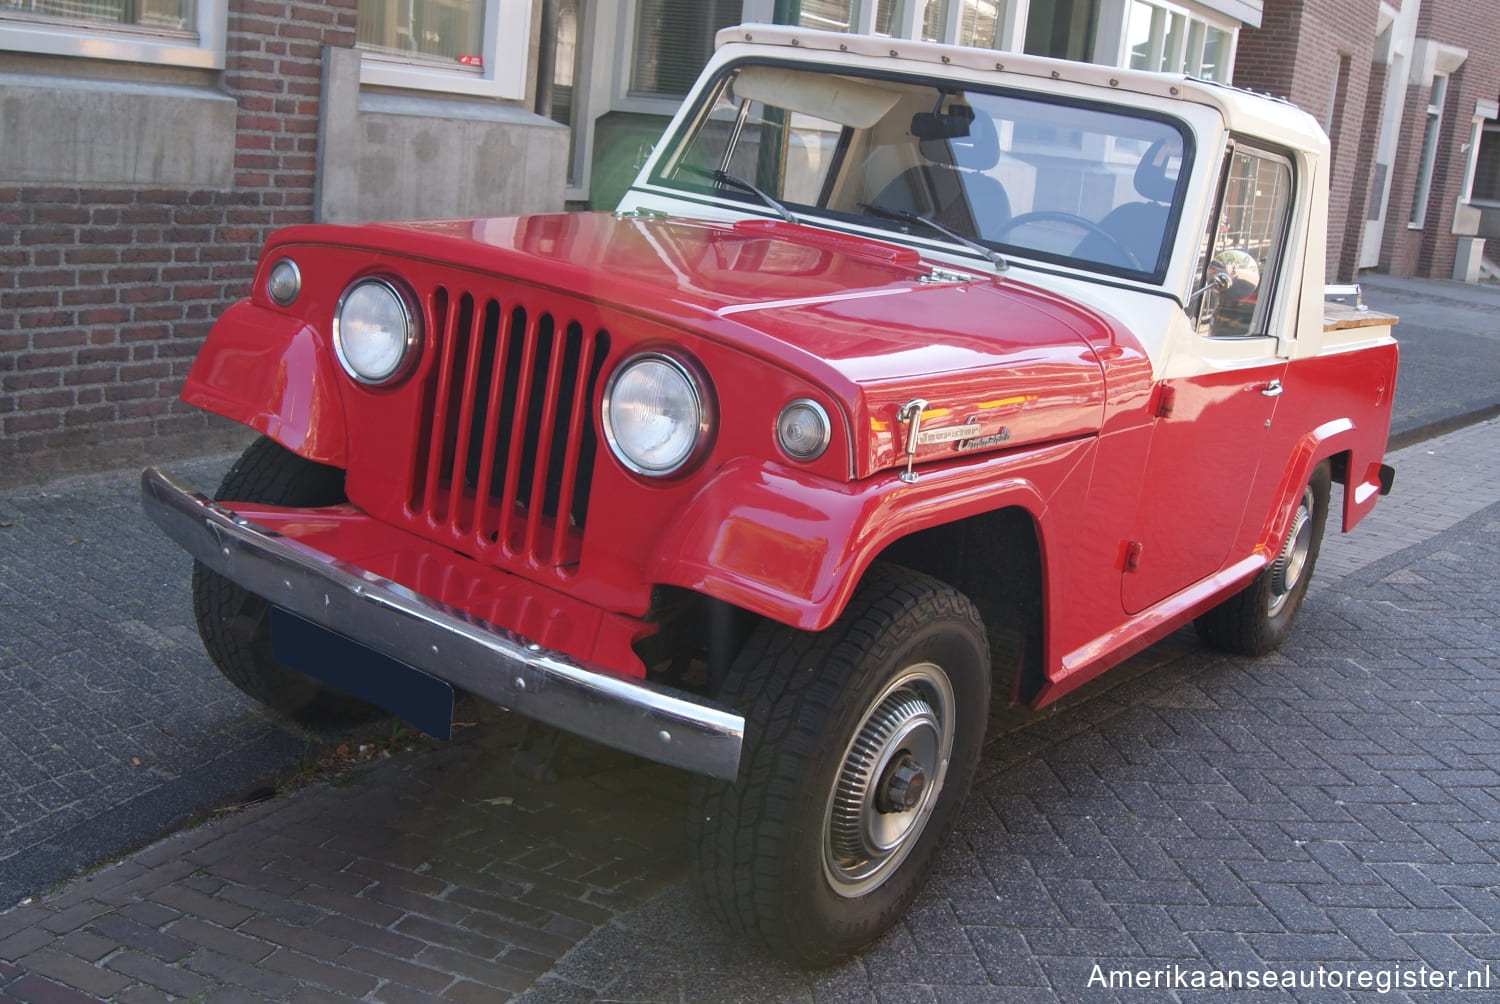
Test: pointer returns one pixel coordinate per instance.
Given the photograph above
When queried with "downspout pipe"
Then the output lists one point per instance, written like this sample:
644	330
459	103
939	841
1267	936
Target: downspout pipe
546	59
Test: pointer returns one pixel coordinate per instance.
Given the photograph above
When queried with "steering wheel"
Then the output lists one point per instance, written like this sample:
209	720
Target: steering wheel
1082	223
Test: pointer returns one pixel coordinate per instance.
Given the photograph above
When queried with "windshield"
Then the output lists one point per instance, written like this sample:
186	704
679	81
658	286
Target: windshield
1085	185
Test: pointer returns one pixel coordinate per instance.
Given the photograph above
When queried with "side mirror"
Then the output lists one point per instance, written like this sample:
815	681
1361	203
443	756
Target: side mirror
1218	280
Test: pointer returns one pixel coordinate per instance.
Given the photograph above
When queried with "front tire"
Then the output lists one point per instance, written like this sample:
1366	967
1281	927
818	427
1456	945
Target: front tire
1260	617
861	744
235	624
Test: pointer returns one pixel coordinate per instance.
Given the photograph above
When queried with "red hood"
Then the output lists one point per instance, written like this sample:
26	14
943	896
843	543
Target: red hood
856	315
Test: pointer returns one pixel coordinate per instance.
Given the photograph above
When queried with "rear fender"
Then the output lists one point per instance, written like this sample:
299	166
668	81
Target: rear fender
1362	462
274	374
792	546
1349	394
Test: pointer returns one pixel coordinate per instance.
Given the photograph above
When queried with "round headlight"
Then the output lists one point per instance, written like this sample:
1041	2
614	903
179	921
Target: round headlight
802	429
284	282
654	414
376	332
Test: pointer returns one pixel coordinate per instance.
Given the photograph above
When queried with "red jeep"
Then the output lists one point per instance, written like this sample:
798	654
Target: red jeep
898	382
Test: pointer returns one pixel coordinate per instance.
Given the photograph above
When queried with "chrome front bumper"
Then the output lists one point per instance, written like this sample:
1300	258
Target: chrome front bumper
668	726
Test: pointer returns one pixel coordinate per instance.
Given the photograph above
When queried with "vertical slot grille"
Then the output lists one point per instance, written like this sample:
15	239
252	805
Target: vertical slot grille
507	448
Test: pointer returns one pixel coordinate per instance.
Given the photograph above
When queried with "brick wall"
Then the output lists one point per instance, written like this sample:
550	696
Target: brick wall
1364	173
1318	54
106	293
1469	24
1401	245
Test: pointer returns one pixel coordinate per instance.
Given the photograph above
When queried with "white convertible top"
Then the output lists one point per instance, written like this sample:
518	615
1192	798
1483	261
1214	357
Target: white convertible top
1242	110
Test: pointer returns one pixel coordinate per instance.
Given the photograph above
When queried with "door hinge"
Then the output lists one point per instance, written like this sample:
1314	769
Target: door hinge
1166	398
1133	550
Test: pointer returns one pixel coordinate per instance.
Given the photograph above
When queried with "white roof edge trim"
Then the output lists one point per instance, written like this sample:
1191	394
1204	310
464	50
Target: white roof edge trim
1233	102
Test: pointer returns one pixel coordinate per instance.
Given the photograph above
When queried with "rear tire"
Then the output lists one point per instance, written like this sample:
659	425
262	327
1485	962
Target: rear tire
861	743
1260	617
235	624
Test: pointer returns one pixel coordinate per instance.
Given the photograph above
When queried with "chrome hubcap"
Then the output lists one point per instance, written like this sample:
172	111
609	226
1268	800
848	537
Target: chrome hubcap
1287	569
889	782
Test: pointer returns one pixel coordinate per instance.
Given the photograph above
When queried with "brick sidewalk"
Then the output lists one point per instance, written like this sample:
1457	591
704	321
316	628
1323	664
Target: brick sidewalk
428	873
1331	803
114	726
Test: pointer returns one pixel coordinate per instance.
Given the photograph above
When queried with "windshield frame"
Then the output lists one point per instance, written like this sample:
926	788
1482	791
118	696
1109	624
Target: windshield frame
676	145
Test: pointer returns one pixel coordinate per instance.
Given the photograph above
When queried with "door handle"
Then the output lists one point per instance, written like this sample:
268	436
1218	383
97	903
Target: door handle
1272	389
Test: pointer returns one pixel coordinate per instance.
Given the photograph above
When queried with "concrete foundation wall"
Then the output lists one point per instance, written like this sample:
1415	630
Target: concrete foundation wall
63	130
399	156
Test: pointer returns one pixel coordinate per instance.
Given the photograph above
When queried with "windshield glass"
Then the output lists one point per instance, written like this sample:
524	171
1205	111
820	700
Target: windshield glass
1085	185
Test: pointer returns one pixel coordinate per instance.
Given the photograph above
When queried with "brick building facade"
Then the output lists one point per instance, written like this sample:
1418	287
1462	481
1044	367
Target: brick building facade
1305	52
136	191
1404	161
1458	52
106	290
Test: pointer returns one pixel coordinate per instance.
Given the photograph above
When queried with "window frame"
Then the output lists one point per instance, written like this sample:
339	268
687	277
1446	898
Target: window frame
123	44
1186	54
628	89
1432	132
1037	259
504	73
1487	127
1272	270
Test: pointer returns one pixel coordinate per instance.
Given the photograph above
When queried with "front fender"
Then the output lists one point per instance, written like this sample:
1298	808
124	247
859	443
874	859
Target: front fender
792	546
275	374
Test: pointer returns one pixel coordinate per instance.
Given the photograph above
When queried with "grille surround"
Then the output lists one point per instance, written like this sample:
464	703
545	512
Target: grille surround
507	438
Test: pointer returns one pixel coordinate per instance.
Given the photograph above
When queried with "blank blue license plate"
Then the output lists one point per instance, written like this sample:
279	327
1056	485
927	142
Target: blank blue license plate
423	700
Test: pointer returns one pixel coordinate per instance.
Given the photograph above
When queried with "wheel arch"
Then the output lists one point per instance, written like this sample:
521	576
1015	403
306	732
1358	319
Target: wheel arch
1354	459
995	558
790	546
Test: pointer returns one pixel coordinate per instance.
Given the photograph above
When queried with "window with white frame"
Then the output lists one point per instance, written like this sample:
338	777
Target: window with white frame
982	23
674	39
829	15
473	47
1434	126
166	32
1161	36
926	20
1485	187
1062	29
1170	39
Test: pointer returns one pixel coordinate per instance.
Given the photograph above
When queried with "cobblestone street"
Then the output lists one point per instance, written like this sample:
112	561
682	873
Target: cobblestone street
1331	805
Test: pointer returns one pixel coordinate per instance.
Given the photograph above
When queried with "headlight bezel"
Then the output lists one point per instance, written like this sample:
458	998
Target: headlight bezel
703	399
411	318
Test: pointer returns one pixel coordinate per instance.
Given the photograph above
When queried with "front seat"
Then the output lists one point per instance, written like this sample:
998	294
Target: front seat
1140	226
952	187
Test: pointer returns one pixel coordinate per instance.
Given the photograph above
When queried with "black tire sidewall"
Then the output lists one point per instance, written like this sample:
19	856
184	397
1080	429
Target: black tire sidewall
1279	625
820	924
267	473
1243	624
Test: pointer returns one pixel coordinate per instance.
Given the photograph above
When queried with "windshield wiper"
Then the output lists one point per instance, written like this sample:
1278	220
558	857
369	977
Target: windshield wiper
735	181
988	253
